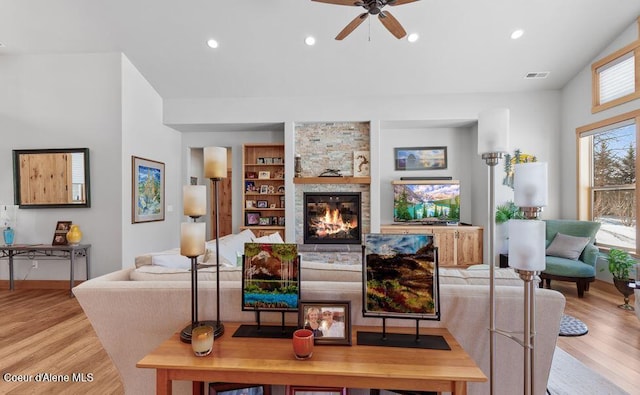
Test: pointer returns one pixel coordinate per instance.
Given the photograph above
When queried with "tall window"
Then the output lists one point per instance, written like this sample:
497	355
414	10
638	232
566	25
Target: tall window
607	179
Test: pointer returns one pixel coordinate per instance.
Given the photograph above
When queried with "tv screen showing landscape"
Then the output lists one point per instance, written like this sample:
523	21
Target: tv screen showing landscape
426	201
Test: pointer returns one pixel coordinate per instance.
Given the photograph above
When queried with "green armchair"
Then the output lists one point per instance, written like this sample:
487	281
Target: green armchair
563	267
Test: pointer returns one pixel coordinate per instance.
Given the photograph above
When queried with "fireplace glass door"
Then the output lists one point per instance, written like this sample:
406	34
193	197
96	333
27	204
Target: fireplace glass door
332	218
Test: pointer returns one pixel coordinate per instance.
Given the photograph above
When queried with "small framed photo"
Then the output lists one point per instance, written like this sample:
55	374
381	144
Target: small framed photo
251	174
330	321
60	234
280	221
260	161
250	204
274	220
272	205
264	188
262	204
264	175
252	218
249	186
268	161
264	221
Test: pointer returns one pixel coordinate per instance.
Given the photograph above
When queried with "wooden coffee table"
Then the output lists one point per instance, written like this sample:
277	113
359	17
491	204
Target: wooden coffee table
271	362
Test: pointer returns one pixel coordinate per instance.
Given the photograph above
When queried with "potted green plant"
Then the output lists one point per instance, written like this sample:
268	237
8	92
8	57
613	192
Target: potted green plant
507	211
620	265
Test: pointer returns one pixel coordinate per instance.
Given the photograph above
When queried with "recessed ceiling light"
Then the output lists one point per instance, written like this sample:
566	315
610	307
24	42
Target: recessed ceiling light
413	37
212	43
309	40
516	34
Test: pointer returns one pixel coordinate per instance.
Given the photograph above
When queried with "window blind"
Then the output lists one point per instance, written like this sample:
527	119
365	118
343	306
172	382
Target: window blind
617	78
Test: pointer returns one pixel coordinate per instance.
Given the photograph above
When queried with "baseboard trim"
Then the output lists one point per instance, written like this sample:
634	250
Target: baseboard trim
38	284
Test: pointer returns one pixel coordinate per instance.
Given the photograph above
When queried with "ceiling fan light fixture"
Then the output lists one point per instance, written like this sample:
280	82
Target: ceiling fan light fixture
310	40
212	43
516	34
413	37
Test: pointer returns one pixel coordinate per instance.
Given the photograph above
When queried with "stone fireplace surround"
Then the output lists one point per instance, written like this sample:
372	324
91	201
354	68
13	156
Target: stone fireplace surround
330	145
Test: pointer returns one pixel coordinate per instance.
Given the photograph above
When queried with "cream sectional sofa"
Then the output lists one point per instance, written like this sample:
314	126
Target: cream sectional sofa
134	310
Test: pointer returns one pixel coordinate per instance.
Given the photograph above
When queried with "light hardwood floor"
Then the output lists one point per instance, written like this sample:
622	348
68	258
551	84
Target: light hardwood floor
45	331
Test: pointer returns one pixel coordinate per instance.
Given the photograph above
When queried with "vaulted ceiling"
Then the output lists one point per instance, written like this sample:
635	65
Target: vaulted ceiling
463	45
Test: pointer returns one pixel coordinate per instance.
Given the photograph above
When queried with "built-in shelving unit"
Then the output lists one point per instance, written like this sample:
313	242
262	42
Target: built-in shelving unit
263	193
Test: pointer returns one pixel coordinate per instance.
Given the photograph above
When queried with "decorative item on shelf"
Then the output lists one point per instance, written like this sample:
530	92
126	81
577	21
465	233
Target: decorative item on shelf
60	234
511	161
620	266
74	235
493	143
360	163
331	173
297	164
215	168
8	214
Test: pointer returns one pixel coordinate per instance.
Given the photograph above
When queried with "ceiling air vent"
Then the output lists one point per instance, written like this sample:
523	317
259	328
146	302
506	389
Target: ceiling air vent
537	75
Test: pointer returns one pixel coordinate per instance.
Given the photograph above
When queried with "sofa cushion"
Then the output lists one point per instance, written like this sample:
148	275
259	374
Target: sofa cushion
159	273
568	267
273	238
566	246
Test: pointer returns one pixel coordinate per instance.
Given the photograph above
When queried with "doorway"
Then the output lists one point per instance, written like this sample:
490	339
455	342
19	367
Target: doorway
225	196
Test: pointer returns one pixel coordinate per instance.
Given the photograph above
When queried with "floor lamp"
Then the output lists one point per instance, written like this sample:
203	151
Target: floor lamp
192	245
215	169
493	142
527	251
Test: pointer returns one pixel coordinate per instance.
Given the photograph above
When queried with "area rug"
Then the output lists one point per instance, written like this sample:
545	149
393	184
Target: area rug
569	376
571	326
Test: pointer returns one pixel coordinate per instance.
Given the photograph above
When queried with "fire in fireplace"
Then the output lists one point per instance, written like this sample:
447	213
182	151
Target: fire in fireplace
332	218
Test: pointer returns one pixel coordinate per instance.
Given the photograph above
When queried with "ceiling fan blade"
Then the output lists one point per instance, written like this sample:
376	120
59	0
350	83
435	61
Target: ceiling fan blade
339	2
398	2
392	24
352	26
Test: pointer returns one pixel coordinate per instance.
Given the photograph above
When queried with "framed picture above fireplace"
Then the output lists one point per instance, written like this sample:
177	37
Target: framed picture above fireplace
401	276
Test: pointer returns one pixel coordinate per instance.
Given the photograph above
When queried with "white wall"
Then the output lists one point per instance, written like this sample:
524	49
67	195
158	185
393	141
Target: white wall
65	101
144	135
535	129
576	106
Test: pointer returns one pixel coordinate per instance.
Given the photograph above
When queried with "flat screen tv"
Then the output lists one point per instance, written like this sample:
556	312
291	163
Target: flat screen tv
426	201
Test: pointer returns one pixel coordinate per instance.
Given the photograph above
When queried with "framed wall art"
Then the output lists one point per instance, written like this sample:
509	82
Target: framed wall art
420	158
330	321
147	190
401	276
270	280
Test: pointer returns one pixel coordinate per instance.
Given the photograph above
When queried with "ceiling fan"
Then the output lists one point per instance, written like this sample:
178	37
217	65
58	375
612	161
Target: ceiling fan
373	7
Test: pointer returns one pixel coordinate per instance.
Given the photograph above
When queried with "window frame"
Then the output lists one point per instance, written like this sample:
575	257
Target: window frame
596	106
584	169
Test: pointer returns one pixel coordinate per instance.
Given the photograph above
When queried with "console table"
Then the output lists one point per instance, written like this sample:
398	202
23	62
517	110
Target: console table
271	362
48	252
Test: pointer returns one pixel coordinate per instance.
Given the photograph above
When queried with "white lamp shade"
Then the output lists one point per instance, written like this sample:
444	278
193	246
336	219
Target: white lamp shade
194	199
527	244
215	162
192	238
530	184
493	131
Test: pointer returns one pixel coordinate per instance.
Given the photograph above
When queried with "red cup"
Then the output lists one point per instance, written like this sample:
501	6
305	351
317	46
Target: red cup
303	343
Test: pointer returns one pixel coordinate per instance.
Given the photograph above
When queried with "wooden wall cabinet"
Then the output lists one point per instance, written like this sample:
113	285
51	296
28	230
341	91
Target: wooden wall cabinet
263	189
457	245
